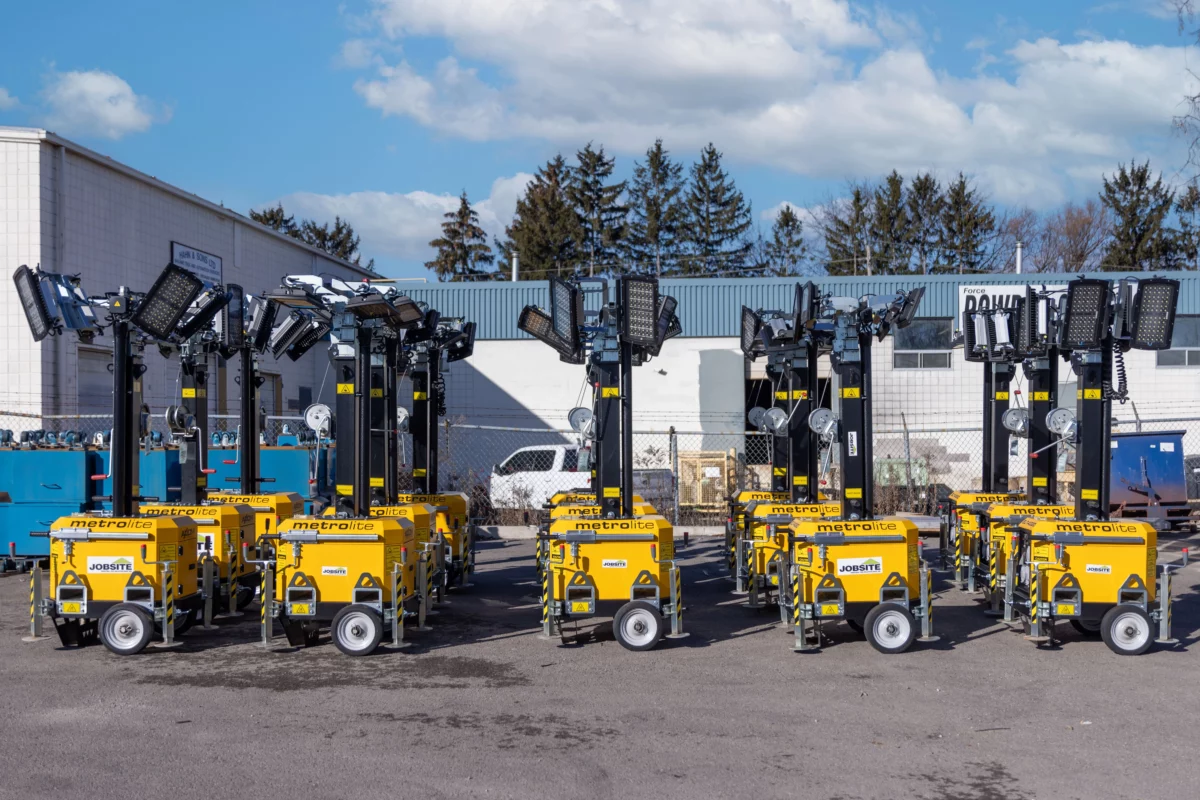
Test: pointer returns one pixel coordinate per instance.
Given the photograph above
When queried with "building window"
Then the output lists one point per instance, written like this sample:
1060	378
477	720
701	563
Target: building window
1185	344
925	344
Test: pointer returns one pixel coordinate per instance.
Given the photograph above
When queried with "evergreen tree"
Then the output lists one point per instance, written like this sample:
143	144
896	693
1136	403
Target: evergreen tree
968	228
545	232
786	250
598	204
1142	238
718	219
276	219
339	240
845	226
462	249
924	205
1187	206
890	228
656	212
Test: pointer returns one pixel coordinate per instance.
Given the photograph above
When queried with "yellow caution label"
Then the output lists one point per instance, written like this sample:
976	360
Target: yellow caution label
829	609
167	552
1087	394
345	488
1064	609
419	473
854	494
774	580
420	395
345	388
189	393
300	609
72	608
780	471
852	392
202	481
377	393
1090	494
612	491
1041	397
799	394
799	480
1001	395
376	483
580	606
610	391
1039	481
781	395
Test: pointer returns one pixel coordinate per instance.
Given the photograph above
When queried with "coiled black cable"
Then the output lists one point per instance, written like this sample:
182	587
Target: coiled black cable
1121	393
439	385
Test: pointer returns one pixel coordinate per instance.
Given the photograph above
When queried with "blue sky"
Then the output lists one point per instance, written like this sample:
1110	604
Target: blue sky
385	110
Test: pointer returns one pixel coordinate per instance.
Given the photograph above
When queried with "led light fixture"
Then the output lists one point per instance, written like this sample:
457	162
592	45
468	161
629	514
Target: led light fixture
1000	334
262	322
29	290
804	306
211	303
168	300
232	322
1154	314
908	311
295	297
639	304
668	324
538	324
564	311
315	332
288	332
975	341
463	345
1087	314
752	347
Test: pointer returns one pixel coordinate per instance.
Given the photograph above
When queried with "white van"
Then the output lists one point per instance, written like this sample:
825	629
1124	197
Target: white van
529	477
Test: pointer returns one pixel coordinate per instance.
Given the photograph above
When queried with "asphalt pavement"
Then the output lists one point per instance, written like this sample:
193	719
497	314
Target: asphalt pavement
480	706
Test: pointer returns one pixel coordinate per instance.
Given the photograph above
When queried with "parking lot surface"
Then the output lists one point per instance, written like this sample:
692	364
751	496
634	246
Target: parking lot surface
481	707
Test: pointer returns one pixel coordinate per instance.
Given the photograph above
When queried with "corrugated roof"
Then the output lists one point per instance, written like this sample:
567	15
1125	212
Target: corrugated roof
711	306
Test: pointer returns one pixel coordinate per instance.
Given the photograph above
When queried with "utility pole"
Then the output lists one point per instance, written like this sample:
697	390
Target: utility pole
1018	258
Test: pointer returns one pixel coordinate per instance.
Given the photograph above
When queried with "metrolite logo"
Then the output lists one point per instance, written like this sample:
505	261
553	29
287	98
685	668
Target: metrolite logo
109	565
113	524
617	525
872	565
859	527
334	526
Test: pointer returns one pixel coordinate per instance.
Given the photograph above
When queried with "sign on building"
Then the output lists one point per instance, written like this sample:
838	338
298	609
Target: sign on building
204	266
980	297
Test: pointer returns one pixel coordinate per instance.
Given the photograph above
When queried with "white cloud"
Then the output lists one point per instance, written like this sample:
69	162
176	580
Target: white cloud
7	101
811	86
402	225
97	103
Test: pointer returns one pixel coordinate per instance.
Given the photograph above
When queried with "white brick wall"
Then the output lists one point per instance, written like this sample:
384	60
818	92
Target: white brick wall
116	229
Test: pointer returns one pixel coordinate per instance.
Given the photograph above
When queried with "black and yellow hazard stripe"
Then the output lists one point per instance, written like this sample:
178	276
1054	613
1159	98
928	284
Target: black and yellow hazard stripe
1035	587
545	594
262	614
993	567
678	596
795	598
169	598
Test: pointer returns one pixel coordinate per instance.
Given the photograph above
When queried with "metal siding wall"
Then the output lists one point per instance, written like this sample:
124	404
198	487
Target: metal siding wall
711	306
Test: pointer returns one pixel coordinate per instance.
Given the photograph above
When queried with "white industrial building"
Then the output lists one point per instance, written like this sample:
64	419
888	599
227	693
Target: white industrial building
74	211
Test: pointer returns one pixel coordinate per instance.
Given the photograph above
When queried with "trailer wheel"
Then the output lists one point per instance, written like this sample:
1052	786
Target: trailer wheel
638	625
855	625
245	596
890	628
1126	629
126	629
1086	627
356	630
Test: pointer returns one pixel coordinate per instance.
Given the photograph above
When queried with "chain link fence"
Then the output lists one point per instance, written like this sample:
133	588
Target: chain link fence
510	473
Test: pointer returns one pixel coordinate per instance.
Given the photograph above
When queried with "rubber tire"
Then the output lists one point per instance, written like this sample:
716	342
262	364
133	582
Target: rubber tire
855	626
184	620
147	623
1109	621
373	638
245	596
875	613
1089	628
651	613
